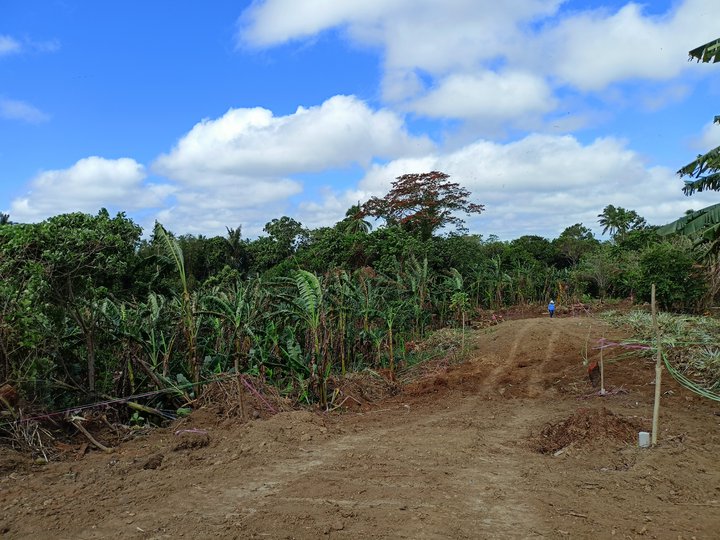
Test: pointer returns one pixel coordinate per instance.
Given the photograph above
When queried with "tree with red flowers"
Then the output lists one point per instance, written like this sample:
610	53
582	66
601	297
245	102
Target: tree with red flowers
423	203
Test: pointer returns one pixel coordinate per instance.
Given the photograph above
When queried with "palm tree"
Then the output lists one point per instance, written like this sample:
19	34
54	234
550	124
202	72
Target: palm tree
609	220
235	245
5	219
354	222
619	221
459	299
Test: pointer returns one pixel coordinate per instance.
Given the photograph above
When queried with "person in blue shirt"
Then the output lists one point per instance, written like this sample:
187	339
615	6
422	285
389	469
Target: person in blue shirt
551	308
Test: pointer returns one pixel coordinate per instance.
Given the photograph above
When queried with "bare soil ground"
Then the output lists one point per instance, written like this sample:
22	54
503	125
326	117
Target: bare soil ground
513	444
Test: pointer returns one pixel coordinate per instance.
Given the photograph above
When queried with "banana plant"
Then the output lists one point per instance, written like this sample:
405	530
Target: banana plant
390	315
189	323
342	302
143	325
309	307
499	282
368	297
459	299
240	310
418	279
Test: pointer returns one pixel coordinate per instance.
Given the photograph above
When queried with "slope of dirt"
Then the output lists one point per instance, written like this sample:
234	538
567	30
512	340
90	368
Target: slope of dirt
452	456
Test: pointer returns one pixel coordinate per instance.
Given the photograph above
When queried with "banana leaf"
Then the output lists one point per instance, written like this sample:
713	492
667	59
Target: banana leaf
695	223
710	52
706	171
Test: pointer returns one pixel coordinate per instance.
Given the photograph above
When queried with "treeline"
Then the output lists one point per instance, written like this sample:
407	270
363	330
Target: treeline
89	308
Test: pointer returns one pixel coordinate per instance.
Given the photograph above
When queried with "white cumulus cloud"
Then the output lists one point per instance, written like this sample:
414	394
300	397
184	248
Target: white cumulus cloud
88	185
426	34
251	143
590	50
437	55
487	95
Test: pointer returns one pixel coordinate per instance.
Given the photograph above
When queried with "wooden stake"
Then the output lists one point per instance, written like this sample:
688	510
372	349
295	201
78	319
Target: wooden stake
602	368
658	370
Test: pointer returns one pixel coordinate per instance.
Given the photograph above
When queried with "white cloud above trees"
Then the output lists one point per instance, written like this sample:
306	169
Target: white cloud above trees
241	169
502	96
537	185
86	186
591	50
255	143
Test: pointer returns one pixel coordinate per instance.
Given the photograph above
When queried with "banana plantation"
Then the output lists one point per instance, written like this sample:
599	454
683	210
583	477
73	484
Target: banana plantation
91	309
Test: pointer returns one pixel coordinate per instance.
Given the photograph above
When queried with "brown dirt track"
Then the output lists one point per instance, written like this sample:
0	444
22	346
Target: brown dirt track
455	455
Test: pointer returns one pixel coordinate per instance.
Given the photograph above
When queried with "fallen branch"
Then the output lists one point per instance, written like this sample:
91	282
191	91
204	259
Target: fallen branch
148	410
76	422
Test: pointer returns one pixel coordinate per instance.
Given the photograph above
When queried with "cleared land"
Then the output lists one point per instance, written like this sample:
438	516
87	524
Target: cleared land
457	454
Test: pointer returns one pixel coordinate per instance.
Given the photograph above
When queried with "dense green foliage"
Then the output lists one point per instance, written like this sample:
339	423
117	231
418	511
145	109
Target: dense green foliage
90	309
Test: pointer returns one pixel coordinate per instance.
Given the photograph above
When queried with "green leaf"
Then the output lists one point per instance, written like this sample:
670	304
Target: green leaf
310	291
709	53
705	169
694	223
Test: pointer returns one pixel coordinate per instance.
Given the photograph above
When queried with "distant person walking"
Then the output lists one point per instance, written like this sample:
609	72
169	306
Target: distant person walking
551	308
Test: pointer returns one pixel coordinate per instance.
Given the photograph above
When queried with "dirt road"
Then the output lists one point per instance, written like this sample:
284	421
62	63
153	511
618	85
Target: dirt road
453	456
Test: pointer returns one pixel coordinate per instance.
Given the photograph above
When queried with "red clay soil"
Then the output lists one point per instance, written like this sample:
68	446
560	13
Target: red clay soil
454	455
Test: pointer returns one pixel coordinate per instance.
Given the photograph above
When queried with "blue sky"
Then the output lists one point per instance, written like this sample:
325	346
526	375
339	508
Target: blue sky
235	113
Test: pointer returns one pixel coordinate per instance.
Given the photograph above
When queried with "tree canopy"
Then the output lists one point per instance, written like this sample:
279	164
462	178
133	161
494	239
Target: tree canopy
423	203
620	221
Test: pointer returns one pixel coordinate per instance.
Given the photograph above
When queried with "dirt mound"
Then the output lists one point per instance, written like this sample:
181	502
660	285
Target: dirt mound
245	397
359	390
585	428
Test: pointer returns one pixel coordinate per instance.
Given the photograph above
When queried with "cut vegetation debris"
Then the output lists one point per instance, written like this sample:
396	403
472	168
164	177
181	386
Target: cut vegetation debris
691	345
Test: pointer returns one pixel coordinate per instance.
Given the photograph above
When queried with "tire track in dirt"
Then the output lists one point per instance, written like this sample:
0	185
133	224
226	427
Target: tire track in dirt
504	365
537	375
